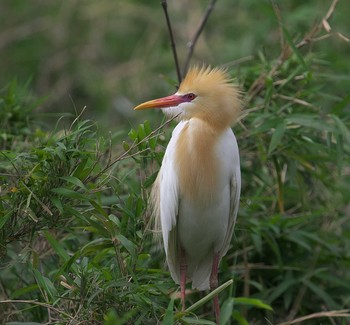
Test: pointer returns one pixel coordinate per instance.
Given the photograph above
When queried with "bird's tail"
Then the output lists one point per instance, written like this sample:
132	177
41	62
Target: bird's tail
153	211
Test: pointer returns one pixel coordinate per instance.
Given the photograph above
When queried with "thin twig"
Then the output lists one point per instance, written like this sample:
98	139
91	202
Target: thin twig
238	61
333	313
78	116
191	44
34	302
294	100
331	10
283	81
172	40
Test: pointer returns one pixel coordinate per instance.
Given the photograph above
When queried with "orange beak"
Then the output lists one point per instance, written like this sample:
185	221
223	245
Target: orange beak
169	101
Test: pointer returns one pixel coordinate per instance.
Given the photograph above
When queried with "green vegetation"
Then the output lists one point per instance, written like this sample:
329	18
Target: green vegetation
75	238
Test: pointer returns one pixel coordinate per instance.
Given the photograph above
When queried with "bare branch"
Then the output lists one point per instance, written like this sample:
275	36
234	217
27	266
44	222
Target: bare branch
172	40
191	44
238	61
343	37
331	10
333	313
38	303
294	100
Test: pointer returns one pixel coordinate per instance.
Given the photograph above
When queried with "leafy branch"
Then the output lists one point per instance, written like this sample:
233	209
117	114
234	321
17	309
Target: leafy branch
289	47
128	153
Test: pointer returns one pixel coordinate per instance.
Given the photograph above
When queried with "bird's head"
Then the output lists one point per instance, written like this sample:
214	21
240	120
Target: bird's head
205	93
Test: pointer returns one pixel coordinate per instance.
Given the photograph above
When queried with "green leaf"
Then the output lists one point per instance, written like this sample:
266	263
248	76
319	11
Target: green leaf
96	245
150	180
281	288
226	312
132	134
23	291
341	128
341	105
4	219
298	238
74	180
111	318
98	208
114	219
236	315
138	207
126	146
152	141
82	169
331	304
56	245
290	78
251	302
293	47
271	240
141	134
57	203
147	127
45	284
263	125
309	121
269	90
277	137
129	245
169	314
69	193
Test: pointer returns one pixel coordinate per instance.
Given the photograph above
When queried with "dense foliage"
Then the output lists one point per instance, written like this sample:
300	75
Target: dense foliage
75	236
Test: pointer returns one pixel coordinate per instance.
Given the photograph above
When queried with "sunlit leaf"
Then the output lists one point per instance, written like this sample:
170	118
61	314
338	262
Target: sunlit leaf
252	302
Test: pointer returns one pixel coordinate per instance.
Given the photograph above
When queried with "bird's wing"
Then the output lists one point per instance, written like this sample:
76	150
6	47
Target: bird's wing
169	203
235	192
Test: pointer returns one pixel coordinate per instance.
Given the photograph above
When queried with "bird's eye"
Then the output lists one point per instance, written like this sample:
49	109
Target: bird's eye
189	97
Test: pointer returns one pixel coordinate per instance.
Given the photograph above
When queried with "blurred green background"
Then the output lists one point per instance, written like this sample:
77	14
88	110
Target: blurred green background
109	55
92	258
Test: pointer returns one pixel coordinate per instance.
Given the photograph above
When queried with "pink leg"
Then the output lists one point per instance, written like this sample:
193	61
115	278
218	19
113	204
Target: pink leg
183	269
214	285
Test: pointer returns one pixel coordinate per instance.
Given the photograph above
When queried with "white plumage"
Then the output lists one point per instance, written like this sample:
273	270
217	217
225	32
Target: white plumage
200	229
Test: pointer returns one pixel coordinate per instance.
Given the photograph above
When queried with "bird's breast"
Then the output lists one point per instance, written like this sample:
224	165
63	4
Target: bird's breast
197	163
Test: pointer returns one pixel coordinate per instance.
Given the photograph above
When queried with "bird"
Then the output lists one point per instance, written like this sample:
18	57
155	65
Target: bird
197	191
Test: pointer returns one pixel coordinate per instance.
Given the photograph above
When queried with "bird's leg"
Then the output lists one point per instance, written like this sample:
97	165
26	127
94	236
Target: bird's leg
214	285
183	269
